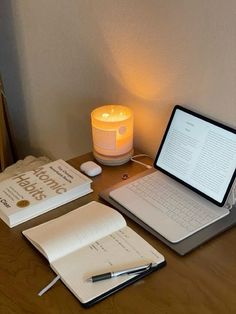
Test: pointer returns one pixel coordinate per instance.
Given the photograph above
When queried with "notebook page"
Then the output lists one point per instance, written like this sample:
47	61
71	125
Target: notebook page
74	230
120	250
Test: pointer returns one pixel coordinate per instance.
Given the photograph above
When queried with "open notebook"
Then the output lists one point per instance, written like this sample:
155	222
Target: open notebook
91	240
195	171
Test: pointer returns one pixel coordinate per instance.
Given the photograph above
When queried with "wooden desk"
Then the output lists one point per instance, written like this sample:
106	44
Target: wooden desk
202	282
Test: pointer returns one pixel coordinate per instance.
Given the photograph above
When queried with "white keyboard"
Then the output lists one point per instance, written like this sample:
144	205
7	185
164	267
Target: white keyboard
174	212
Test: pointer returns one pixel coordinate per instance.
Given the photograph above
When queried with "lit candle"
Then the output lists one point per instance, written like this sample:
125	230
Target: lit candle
112	130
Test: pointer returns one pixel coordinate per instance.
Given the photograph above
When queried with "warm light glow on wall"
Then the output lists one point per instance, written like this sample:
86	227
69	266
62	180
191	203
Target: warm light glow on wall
112	130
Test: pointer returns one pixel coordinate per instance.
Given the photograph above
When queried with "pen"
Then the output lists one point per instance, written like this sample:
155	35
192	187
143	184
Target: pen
128	271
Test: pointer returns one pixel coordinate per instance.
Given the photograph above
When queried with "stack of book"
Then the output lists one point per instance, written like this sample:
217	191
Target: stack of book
32	193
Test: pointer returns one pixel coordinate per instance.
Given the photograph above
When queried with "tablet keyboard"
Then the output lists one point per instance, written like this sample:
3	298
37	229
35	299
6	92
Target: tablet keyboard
173	211
184	210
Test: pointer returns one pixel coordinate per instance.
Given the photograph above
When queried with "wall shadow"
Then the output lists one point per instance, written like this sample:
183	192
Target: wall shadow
11	77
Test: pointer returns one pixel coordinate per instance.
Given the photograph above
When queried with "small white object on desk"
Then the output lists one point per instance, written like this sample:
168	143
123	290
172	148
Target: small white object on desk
90	168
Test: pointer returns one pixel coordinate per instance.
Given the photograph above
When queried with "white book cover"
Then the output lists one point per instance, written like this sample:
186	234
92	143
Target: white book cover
32	193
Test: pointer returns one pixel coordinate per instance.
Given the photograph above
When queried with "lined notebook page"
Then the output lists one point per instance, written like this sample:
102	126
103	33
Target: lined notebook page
120	250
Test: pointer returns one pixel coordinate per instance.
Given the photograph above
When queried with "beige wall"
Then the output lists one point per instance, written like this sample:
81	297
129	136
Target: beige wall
65	57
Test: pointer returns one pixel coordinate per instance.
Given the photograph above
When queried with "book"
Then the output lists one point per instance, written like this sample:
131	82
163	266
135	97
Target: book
90	240
32	193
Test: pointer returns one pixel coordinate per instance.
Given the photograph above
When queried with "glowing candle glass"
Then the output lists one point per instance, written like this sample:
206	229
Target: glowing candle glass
112	131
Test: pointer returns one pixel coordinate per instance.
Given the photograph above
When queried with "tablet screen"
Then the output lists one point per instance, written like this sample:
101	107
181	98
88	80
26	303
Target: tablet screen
200	153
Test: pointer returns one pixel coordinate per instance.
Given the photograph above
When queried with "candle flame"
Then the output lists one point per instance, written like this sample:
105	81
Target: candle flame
105	115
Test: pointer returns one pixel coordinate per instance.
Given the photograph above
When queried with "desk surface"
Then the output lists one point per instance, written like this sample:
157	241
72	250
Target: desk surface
203	281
